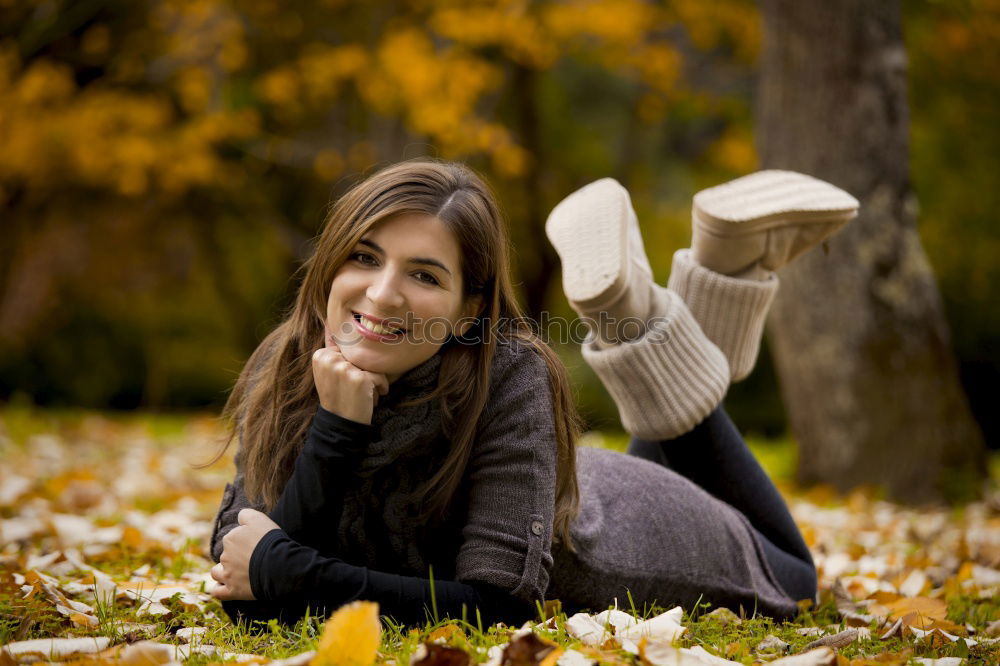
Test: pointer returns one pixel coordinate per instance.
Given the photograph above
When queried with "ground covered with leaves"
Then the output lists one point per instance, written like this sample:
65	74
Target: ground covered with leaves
105	522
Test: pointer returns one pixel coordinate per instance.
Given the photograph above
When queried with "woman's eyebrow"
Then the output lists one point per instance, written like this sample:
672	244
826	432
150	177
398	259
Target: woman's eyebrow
427	261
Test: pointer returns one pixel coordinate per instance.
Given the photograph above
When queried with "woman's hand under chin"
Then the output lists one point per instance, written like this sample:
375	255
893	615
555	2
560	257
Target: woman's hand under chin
345	389
233	570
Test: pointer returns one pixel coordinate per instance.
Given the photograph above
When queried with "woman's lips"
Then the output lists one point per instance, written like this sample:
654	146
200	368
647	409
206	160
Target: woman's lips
374	329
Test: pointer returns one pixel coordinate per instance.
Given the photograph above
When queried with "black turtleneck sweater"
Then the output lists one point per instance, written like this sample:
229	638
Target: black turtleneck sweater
289	572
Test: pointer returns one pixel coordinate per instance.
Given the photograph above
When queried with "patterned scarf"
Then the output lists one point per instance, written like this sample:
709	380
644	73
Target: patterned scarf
381	525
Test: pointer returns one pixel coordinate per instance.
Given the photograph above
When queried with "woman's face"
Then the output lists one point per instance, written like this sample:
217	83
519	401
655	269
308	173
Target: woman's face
398	296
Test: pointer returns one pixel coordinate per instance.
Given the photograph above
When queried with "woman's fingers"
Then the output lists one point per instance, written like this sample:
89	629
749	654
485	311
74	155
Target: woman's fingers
218	574
254	518
344	388
246	516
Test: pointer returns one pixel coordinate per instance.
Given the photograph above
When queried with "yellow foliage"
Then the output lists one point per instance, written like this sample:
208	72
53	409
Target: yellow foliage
350	637
508	26
96	41
328	164
44	83
621	22
659	65
734	151
711	24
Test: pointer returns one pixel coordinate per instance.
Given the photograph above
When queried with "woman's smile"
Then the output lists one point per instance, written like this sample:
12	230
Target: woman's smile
374	328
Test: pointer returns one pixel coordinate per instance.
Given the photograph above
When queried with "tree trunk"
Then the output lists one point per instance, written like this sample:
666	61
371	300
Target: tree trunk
858	334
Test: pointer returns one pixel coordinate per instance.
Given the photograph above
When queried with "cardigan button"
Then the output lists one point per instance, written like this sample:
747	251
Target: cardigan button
537	528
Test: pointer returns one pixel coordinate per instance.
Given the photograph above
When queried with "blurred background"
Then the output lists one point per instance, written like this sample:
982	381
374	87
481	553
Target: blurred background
164	165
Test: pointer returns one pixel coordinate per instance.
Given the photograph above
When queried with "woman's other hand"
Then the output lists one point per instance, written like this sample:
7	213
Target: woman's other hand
345	389
233	570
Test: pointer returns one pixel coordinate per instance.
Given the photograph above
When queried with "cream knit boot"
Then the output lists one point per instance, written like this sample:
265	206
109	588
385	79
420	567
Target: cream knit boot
667	381
730	311
606	275
758	223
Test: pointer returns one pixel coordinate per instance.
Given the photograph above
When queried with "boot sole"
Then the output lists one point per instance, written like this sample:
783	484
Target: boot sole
589	230
771	199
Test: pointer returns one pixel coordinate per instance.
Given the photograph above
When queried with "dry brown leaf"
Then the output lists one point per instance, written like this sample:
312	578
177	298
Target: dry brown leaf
884	659
895	630
530	649
432	654
445	633
845	637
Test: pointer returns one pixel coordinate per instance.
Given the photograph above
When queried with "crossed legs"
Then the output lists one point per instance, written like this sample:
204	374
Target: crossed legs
701	332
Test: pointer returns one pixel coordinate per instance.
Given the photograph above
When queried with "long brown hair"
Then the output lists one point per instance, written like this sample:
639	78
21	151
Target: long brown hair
274	399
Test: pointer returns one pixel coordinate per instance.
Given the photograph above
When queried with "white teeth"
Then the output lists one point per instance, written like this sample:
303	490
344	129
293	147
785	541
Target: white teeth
376	327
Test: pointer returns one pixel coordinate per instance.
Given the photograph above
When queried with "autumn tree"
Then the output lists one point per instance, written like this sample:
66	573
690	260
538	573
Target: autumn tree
858	334
163	163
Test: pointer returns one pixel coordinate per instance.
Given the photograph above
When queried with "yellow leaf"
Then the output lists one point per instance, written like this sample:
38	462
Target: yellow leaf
917	611
350	637
445	633
131	537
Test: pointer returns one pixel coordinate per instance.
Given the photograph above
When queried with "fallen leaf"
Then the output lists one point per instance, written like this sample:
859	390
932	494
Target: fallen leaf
938	638
917	611
432	654
189	634
656	653
148	653
894	630
665	627
55	649
724	616
835	641
350	637
619	620
531	650
573	658
445	633
302	659
585	628
915	584
772	645
823	656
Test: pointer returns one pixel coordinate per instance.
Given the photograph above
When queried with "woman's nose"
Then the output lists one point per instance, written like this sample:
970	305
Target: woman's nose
384	291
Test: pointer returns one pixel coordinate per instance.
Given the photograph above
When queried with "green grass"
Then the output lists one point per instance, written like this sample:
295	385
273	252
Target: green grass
22	619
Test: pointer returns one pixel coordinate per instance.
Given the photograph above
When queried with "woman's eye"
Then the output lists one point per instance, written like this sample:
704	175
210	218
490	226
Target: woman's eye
364	258
424	276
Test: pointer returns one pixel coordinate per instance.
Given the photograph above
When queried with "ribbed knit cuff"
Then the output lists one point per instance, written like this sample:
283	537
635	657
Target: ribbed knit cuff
667	381
731	311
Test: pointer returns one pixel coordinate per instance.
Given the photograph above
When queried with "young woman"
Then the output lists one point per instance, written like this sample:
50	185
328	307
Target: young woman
405	438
